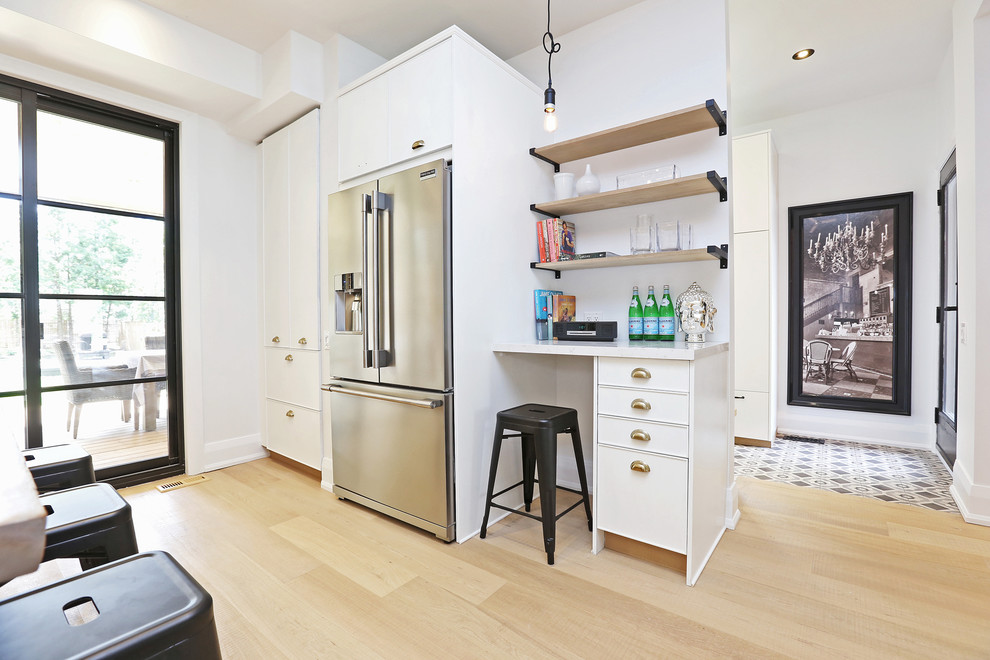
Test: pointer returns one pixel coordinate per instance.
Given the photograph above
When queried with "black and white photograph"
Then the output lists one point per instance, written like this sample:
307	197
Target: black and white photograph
850	304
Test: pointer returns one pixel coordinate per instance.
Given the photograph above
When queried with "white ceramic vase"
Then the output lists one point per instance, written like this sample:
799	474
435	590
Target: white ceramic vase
588	184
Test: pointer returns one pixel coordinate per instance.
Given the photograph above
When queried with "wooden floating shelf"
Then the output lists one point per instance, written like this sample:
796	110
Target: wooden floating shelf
719	253
696	184
680	122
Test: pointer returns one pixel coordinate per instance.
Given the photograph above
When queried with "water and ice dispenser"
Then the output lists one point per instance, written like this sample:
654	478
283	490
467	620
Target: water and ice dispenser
348	301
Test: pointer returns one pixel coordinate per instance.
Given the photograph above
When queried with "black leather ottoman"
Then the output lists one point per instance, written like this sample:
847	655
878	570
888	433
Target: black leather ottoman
59	467
148	607
90	522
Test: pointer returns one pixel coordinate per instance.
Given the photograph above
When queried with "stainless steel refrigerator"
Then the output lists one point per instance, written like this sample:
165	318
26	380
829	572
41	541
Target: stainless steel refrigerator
391	387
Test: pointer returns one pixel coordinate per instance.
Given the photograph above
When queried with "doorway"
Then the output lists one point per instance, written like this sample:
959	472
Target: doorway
89	339
948	316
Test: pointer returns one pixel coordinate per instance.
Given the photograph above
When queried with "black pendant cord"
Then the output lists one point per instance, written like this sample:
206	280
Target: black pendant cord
550	48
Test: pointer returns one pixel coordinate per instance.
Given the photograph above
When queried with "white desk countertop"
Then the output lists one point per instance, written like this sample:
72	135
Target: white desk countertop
677	350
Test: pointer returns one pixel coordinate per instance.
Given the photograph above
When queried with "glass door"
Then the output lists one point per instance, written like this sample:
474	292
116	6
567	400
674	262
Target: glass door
93	318
947	314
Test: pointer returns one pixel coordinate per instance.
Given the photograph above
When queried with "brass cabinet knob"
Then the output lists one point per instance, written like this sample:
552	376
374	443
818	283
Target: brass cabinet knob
288	358
302	341
418	144
639	466
640	372
640	434
275	339
292	414
640	404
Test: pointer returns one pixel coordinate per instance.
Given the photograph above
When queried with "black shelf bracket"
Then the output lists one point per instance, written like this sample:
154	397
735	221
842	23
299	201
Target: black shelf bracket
535	265
717	114
535	209
719	184
720	252
556	165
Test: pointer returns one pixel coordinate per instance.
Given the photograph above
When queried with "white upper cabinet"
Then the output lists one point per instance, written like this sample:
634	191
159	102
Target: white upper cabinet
404	112
752	186
291	235
422	121
362	136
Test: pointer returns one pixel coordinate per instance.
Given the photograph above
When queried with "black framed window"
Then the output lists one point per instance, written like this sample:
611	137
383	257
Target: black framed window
89	282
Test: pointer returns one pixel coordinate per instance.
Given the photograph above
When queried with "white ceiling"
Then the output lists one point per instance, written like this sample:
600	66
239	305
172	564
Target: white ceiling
863	47
390	27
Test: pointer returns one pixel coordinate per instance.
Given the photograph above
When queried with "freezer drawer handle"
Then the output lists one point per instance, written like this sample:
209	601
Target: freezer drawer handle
419	403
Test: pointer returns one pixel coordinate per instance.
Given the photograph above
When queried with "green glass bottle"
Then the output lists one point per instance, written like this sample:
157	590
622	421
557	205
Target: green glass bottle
651	317
635	316
667	324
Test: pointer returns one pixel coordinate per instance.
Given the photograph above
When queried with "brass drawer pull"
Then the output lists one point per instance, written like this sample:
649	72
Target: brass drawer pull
292	414
275	339
640	372
640	404
288	358
418	144
639	466
302	341
640	434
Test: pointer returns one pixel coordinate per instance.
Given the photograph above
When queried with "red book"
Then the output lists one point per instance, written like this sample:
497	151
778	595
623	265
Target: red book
541	242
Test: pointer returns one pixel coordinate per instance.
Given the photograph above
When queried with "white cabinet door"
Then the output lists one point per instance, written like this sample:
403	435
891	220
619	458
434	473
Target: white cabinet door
294	432
275	190
752	415
293	376
303	229
751	311
420	113
362	129
751	185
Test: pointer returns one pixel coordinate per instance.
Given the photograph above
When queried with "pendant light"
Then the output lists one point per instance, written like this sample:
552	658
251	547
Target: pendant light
549	95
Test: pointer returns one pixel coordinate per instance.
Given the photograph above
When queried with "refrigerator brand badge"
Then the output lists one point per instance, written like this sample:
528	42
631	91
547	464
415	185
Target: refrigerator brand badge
428	174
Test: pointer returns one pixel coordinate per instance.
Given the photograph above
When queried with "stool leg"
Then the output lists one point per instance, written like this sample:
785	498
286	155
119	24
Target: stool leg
579	457
546	467
496	448
529	468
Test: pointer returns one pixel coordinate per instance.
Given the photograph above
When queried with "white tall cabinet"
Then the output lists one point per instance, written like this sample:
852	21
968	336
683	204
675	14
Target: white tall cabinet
290	189
754	210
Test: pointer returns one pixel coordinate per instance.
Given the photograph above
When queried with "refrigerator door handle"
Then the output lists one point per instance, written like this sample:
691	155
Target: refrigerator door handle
369	286
419	403
383	277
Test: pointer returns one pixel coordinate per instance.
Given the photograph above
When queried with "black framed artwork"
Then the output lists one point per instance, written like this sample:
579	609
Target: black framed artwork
849	305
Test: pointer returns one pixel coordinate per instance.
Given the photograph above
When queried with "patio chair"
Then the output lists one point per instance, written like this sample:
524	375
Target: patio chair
844	361
73	375
819	359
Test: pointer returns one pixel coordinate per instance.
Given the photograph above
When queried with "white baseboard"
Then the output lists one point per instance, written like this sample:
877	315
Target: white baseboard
972	499
732	513
326	478
233	451
832	434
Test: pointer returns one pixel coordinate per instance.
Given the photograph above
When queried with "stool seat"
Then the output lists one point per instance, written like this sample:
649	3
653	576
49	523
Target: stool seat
146	606
59	466
90	522
537	426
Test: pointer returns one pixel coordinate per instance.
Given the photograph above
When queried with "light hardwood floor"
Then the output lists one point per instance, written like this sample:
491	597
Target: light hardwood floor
296	573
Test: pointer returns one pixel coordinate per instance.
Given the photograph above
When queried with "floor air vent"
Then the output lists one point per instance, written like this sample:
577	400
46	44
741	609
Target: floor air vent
181	482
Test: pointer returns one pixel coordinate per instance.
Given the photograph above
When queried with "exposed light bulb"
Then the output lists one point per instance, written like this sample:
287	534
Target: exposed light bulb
549	121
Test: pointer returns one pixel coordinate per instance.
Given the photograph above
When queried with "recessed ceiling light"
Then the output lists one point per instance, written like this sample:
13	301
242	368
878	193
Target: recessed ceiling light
803	54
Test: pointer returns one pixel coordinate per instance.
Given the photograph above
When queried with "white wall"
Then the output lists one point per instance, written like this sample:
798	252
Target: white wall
218	217
876	146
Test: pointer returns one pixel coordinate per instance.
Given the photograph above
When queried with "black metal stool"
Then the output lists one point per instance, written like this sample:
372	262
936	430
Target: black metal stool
59	467
142	606
538	426
90	522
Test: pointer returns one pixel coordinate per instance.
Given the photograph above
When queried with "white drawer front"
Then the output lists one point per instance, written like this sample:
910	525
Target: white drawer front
646	506
752	415
643	404
641	435
294	432
647	374
293	376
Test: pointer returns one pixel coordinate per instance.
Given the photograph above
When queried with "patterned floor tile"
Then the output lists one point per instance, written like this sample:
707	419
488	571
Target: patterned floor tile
892	474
